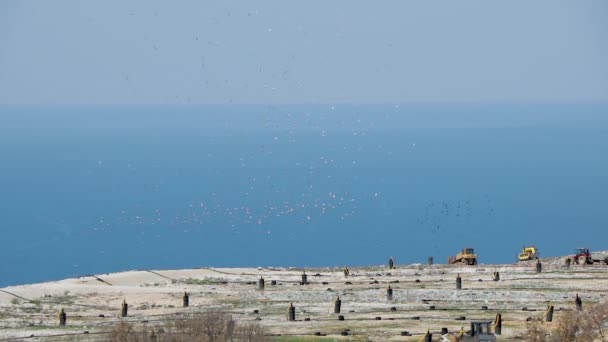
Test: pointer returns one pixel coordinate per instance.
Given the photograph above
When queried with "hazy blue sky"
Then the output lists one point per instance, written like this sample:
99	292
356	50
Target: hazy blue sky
146	52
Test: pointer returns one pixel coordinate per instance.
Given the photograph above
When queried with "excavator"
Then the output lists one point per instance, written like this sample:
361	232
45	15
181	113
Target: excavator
481	331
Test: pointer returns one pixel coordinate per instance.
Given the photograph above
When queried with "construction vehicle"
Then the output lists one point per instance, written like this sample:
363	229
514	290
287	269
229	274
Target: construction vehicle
583	256
466	257
528	253
481	331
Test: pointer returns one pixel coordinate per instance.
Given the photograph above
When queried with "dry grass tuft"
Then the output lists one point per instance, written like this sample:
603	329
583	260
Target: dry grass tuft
206	327
580	326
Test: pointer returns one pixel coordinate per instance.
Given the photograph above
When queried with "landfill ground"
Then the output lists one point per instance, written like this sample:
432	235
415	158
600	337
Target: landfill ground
424	298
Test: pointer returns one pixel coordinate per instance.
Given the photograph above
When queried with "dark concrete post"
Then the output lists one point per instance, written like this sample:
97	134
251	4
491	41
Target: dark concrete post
186	300
291	313
428	337
261	283
539	267
389	293
496	276
498	325
430	260
62	317
304	278
579	303
337	305
124	310
549	314
458	282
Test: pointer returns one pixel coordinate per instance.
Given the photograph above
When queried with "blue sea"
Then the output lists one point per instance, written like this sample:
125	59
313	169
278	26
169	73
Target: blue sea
96	189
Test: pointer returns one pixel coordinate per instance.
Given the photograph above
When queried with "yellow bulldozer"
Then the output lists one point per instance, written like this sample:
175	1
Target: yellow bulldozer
528	253
467	257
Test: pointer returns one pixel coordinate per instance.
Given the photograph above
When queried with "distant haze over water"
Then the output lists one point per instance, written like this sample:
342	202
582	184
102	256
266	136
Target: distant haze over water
101	189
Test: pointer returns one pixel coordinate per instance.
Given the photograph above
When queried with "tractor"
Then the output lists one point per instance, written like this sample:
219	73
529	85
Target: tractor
583	256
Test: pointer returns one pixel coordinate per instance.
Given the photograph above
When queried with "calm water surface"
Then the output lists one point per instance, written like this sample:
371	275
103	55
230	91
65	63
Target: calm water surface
94	190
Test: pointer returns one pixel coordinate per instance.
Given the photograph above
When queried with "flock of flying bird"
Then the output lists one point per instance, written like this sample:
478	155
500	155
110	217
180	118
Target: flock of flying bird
317	191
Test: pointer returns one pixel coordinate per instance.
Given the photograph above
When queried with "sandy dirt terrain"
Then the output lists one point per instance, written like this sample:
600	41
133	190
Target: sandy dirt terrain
424	297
